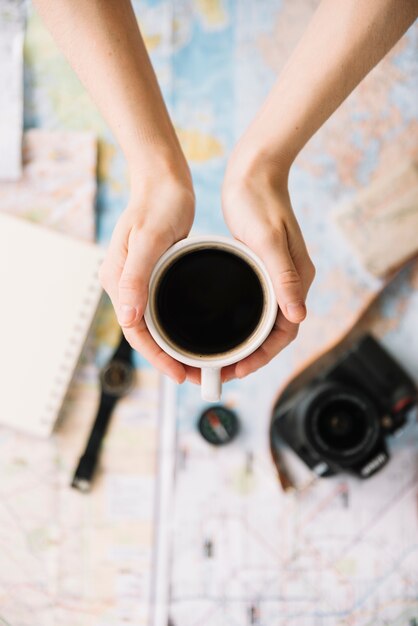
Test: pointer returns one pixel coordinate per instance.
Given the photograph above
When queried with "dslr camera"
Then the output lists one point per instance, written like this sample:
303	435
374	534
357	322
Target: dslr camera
338	421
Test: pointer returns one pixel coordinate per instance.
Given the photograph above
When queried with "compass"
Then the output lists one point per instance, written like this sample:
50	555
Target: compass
218	425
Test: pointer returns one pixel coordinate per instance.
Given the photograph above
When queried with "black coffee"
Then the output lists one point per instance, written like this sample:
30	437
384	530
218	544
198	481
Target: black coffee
209	301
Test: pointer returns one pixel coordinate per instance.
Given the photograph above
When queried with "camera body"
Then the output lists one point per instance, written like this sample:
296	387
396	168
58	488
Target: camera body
339	420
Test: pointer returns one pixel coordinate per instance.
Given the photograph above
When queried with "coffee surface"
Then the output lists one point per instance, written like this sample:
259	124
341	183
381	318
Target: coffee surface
209	301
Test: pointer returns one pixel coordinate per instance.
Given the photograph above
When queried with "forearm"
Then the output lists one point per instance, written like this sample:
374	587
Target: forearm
343	42
101	40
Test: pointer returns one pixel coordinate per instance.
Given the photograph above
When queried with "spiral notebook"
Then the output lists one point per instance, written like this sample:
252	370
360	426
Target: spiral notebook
49	292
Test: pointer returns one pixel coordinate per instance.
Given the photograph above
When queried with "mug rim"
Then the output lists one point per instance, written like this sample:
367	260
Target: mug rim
252	342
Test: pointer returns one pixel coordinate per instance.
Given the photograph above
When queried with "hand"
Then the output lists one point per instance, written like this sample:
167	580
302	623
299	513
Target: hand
158	215
258	212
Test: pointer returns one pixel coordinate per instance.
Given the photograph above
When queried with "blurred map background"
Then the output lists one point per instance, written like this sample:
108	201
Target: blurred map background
343	553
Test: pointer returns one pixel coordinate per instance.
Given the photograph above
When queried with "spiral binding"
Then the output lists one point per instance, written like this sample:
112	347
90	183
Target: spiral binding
71	355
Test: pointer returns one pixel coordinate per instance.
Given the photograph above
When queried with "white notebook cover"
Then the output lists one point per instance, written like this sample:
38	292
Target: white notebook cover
49	292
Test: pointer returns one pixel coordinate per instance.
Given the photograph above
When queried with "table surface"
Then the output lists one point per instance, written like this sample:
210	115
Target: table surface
316	559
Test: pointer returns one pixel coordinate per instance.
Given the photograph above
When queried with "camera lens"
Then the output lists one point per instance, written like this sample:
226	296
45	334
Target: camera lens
342	425
340	422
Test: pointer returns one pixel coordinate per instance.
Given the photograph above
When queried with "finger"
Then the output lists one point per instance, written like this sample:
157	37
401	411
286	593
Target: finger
144	250
283	333
140	339
273	249
109	278
112	267
228	373
303	263
193	374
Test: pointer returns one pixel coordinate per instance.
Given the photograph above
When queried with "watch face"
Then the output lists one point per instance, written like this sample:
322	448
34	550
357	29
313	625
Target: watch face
117	378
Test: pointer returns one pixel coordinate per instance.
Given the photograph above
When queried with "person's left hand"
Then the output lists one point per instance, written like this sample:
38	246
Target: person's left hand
258	212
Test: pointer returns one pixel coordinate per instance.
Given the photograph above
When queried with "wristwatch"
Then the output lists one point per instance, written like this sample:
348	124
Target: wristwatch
116	380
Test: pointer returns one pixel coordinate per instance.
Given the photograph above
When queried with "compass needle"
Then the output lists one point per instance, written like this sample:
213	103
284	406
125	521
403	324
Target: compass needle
218	425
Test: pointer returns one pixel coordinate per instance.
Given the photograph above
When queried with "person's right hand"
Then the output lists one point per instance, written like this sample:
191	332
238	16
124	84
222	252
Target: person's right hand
158	214
258	211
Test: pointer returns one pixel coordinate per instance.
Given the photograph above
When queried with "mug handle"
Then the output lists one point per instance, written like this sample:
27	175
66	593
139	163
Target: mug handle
211	384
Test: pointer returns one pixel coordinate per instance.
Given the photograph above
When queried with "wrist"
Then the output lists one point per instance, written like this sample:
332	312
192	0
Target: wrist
159	166
254	163
161	192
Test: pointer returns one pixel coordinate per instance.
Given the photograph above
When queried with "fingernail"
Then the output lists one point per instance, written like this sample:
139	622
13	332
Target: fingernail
296	310
127	314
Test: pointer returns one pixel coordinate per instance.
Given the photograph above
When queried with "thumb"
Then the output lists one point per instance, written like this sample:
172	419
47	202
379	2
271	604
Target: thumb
287	283
144	250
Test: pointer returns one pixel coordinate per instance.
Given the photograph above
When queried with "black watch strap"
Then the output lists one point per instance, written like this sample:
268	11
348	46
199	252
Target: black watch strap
123	352
88	461
87	464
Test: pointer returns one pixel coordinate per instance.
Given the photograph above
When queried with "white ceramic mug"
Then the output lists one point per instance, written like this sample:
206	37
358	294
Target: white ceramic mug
211	364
